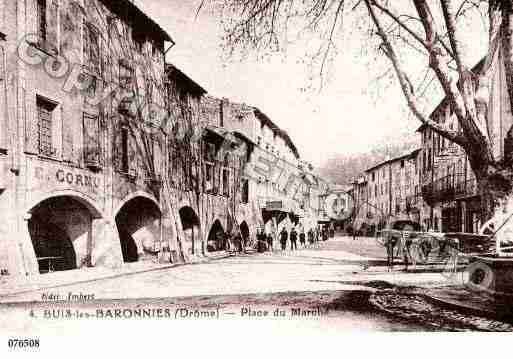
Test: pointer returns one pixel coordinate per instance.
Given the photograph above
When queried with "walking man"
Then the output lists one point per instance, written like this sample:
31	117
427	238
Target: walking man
302	238
293	239
270	241
261	240
310	236
283	238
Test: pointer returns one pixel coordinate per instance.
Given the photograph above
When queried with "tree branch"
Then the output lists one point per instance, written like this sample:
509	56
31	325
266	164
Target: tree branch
406	84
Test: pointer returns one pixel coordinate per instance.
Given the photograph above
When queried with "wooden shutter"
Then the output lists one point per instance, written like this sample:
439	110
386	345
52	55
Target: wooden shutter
133	157
41	21
67	137
52	26
118	143
70	36
45	129
86	39
91	139
31	125
157	157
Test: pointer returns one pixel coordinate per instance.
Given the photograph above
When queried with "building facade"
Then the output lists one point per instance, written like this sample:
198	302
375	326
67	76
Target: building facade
388	192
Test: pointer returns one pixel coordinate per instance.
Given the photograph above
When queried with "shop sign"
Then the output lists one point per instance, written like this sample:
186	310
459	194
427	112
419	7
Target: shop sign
274	205
47	177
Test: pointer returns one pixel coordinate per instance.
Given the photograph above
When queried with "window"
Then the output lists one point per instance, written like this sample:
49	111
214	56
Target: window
91	126
245	191
41	21
45	109
91	49
209	157
126	75
173	164
155	50
226	176
138	39
125	138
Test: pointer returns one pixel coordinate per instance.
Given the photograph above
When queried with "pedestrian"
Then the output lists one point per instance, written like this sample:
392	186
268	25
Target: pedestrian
310	236
239	243
317	233
261	240
302	238
283	238
270	241
293	239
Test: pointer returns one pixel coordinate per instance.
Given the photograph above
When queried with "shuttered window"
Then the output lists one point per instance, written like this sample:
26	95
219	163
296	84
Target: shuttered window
125	142
91	126
126	76
45	127
226	176
245	191
210	176
91	49
41	21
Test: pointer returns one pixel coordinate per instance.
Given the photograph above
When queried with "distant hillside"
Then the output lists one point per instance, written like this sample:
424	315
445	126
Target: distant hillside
341	168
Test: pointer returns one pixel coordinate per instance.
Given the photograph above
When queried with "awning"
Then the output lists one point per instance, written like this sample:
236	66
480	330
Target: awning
324	219
219	134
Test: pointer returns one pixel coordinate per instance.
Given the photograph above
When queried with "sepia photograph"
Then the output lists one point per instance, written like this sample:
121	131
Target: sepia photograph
235	173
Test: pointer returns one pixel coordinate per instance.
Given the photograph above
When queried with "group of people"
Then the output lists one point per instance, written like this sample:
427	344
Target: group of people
266	240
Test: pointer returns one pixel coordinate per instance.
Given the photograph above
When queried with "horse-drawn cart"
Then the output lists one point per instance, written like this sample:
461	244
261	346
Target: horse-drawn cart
431	248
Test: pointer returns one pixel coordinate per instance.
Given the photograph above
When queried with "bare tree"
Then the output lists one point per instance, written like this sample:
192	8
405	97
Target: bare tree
432	30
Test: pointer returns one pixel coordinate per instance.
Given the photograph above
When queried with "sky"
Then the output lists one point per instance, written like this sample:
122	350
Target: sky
342	118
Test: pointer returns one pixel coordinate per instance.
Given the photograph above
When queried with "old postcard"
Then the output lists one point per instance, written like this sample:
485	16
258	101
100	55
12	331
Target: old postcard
231	172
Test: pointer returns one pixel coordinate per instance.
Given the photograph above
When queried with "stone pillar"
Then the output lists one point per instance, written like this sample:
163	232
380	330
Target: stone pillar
106	248
169	240
463	215
24	250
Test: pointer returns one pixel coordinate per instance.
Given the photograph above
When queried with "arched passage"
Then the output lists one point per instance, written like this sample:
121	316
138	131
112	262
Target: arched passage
216	238
139	227
191	229
61	232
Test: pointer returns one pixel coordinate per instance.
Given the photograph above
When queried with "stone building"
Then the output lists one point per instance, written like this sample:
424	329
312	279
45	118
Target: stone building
81	163
448	183
283	189
388	192
207	188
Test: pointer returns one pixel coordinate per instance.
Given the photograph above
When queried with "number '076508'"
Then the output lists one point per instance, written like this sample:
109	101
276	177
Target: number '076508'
23	343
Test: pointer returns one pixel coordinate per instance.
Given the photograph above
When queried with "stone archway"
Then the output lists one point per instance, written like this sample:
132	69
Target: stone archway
191	229
139	226
60	229
216	240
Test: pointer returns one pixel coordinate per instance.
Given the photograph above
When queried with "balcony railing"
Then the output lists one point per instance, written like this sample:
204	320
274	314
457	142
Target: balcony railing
449	188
